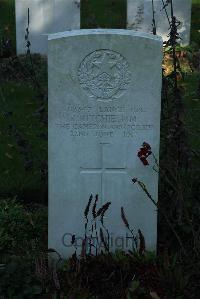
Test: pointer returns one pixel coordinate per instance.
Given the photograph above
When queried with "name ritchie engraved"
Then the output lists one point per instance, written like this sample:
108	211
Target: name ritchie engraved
98	118
103	121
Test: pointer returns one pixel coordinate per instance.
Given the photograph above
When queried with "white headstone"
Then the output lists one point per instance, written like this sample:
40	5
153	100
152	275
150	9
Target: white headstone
46	16
139	17
104	102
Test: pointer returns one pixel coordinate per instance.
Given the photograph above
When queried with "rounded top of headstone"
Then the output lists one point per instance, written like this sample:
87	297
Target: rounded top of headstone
122	32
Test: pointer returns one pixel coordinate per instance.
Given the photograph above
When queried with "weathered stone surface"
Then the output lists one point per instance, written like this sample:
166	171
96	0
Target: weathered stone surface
46	16
135	14
139	17
104	102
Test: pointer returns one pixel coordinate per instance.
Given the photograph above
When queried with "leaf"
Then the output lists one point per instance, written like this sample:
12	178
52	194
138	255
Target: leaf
8	156
2	267
10	145
134	285
154	295
129	296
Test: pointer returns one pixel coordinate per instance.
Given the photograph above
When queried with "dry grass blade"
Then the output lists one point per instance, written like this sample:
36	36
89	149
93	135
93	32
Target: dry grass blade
88	206
154	295
83	248
103	208
103	239
56	279
94	206
124	218
142	243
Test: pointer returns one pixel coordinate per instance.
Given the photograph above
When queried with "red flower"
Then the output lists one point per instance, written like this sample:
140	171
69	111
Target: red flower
144	161
144	152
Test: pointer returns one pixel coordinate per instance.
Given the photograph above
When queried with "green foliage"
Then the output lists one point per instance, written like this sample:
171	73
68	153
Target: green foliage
119	276
195	22
7	21
103	14
192	108
112	275
23	235
136	292
21	230
18	279
23	129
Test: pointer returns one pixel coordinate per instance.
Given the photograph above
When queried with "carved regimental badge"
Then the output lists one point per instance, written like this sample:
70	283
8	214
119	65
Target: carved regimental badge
104	74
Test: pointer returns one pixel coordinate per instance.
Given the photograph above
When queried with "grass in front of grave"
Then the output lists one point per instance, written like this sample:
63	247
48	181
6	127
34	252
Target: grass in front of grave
114	276
103	14
138	273
25	271
23	151
7	21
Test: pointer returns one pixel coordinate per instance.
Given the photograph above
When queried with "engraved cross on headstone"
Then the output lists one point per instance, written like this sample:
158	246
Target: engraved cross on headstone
102	170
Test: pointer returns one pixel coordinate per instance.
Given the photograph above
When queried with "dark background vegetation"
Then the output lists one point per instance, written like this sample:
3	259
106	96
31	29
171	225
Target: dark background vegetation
24	272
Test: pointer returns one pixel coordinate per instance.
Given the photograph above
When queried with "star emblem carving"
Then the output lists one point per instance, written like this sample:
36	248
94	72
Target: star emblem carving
105	65
104	74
